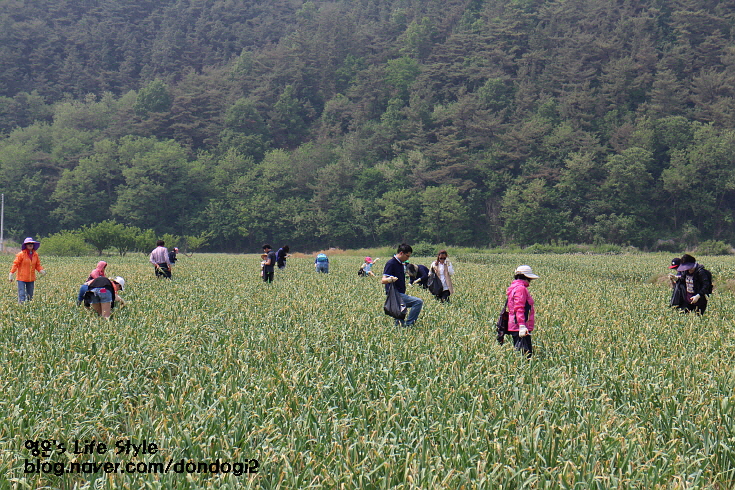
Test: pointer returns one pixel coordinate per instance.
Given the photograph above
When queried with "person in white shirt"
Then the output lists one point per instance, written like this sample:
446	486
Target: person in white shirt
444	270
160	260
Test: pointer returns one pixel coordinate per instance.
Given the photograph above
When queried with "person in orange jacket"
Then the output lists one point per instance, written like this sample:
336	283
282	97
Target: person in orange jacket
26	263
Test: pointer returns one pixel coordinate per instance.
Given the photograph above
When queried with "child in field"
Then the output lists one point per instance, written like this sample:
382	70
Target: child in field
366	268
263	262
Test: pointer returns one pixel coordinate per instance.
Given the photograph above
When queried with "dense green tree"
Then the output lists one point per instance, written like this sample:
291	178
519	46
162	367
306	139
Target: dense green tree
346	123
444	215
154	97
102	235
86	193
701	182
398	211
161	185
530	215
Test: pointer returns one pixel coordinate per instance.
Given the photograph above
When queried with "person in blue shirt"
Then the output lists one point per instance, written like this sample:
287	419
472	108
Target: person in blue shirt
394	272
269	263
321	263
282	255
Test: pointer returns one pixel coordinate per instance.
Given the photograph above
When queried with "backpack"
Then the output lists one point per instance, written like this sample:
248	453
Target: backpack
708	280
361	272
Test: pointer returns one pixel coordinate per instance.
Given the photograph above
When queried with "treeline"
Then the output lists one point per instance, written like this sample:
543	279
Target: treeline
362	123
109	235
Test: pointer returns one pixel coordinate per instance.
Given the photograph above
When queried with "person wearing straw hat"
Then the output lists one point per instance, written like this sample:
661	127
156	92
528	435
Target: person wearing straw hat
26	264
521	312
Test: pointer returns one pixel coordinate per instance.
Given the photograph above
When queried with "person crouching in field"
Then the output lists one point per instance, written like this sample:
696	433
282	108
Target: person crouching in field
103	295
321	263
521	312
418	274
97	272
693	286
26	264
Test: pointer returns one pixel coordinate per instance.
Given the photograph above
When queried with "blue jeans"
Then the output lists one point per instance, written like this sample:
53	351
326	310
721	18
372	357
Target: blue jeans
80	297
101	295
322	267
25	291
415	304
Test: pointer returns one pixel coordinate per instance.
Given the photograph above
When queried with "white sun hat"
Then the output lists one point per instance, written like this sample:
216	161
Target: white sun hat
526	271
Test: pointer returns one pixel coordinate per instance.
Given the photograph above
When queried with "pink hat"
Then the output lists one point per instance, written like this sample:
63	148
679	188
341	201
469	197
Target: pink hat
368	260
31	240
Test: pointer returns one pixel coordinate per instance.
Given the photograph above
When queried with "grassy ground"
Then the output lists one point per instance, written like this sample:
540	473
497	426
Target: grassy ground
309	378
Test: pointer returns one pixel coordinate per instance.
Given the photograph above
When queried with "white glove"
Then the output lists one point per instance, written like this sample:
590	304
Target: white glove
694	299
42	272
522	331
10	277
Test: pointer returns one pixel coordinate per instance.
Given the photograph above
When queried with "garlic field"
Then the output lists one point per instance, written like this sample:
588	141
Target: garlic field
217	380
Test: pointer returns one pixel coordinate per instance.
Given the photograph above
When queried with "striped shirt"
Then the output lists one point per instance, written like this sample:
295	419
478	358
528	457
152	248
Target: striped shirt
159	255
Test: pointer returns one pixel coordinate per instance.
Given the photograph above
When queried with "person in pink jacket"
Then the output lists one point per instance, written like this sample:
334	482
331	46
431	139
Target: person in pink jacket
521	313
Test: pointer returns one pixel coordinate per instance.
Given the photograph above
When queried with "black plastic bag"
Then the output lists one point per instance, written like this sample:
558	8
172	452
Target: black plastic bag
502	323
435	285
393	304
678	295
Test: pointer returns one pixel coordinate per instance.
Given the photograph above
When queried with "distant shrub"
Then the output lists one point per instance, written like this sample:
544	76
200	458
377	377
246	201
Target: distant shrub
425	249
712	247
66	244
662	245
602	248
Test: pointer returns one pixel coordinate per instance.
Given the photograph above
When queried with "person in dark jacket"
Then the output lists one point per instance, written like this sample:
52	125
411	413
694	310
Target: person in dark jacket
281	256
394	272
418	274
268	265
693	287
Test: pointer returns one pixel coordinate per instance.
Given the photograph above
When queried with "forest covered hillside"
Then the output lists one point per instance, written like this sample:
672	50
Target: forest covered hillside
368	122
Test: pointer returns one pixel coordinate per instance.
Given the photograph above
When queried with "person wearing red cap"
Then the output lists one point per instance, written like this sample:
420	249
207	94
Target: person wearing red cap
26	264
